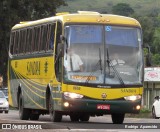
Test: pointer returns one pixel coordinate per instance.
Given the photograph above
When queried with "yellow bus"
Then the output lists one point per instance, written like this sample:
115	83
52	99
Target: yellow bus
42	79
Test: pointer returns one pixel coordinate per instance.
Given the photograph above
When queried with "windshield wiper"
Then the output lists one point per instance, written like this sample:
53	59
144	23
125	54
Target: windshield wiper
108	61
99	63
114	69
100	60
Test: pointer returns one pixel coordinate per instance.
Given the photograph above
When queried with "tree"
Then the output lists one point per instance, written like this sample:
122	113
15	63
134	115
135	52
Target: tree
148	29
156	59
156	42
122	9
14	11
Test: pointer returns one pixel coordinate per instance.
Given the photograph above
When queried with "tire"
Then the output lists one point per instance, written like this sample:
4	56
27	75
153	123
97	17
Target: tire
54	115
6	112
117	118
84	117
24	113
74	117
154	113
34	116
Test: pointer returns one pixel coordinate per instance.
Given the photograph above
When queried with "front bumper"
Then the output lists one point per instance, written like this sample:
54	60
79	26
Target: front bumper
90	106
4	108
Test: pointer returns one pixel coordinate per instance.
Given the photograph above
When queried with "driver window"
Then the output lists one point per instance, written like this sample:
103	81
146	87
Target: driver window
72	61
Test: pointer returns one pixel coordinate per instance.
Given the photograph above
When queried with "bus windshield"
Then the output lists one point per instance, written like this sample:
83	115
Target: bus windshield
103	55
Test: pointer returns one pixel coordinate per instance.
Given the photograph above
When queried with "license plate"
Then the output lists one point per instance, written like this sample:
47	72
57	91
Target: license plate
103	107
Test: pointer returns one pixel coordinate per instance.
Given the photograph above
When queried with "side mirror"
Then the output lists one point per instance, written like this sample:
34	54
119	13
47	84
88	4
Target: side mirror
157	98
60	48
64	40
7	98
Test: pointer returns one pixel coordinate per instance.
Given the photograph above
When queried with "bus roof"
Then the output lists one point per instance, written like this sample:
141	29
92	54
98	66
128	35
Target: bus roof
83	17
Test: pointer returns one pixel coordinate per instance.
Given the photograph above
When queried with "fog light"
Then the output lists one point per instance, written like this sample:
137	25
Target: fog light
138	107
66	104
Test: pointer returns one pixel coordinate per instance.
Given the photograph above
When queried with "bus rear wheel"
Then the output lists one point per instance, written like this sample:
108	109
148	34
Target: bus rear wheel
24	113
118	118
54	115
34	116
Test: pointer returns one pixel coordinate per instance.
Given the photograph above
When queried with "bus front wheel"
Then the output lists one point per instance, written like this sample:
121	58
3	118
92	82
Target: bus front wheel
84	117
54	115
118	118
24	113
74	117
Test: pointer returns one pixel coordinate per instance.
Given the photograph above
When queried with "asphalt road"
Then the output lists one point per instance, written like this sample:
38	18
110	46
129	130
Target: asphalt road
102	123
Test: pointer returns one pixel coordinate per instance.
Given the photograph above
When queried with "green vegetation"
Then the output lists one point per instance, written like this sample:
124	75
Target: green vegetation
144	113
142	7
122	9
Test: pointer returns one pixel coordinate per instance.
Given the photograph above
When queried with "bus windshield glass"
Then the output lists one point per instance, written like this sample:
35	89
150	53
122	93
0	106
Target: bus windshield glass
103	55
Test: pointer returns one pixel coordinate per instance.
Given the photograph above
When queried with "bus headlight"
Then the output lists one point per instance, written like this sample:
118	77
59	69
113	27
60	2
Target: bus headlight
73	95
133	97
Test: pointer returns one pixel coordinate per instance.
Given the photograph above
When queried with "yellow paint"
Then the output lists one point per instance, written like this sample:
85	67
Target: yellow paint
37	70
85	17
9	89
96	93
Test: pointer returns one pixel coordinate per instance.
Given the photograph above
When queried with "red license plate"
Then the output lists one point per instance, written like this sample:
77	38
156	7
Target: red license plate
103	107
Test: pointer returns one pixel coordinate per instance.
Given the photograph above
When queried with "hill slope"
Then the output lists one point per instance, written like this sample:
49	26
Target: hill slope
141	7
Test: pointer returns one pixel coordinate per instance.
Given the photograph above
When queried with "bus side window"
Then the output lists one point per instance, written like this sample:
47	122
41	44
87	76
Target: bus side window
58	59
36	39
52	35
48	36
20	45
27	40
12	42
15	47
44	38
41	38
32	39
23	41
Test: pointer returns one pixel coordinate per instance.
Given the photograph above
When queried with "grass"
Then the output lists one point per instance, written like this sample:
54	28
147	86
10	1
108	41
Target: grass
12	108
144	113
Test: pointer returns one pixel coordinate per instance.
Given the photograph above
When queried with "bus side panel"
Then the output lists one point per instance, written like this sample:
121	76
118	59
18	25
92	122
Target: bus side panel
57	99
32	75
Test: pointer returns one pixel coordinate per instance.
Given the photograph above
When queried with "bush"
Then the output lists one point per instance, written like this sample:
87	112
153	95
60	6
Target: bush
145	110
